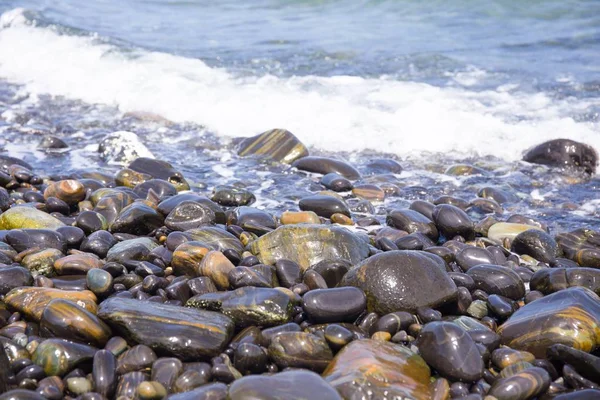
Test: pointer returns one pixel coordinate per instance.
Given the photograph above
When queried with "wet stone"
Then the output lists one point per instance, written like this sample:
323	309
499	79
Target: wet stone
252	219
24	239
300	350
586	364
507	230
99	281
570	317
31	301
67	320
104	373
537	244
42	262
324	206
169	330
309	244
137	219
372	369
277	144
524	385
249	306
323	165
28	218
368	192
550	280
402	281
495	279
131	250
451	351
472	256
189	215
59	356
282	386
217	267
336	182
342	304
564	153
13	277
299	217
137	358
165	371
91	221
411	222
98	243
76	264
249	358
451	221
232	197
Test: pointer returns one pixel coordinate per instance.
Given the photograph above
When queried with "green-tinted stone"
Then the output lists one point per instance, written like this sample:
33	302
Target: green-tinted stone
27	218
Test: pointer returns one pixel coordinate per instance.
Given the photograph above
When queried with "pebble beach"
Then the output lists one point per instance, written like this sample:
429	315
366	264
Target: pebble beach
158	244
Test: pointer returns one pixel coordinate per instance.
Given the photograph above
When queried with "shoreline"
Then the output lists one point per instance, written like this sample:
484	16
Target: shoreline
157	290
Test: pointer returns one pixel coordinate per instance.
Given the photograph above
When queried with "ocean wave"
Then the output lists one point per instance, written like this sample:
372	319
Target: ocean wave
336	113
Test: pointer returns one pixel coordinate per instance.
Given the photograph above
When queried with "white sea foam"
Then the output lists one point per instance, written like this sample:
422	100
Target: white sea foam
334	113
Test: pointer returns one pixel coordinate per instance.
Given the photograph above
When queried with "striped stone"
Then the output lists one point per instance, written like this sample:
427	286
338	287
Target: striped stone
276	144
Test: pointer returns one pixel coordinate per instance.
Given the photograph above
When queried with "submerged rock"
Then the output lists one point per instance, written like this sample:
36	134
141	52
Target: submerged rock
402	280
122	147
370	369
159	169
276	144
564	153
309	244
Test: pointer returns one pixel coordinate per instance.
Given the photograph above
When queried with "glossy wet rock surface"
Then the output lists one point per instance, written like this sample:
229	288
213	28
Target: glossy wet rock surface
570	317
248	270
402	281
170	330
374	370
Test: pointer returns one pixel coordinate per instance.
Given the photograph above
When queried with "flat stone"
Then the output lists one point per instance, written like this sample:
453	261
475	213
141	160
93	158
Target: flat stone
169	330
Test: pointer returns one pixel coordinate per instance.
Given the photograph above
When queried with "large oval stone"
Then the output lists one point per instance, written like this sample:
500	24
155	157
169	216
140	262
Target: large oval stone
27	218
169	330
550	280
276	144
286	385
370	369
300	350
412	221
309	244
67	320
537	244
31	301
451	351
402	280
570	317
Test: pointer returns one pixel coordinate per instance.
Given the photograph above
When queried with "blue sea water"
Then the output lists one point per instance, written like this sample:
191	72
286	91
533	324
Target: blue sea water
425	82
467	77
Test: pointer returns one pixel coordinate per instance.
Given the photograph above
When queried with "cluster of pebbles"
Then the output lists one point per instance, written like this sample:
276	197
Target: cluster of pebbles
133	286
